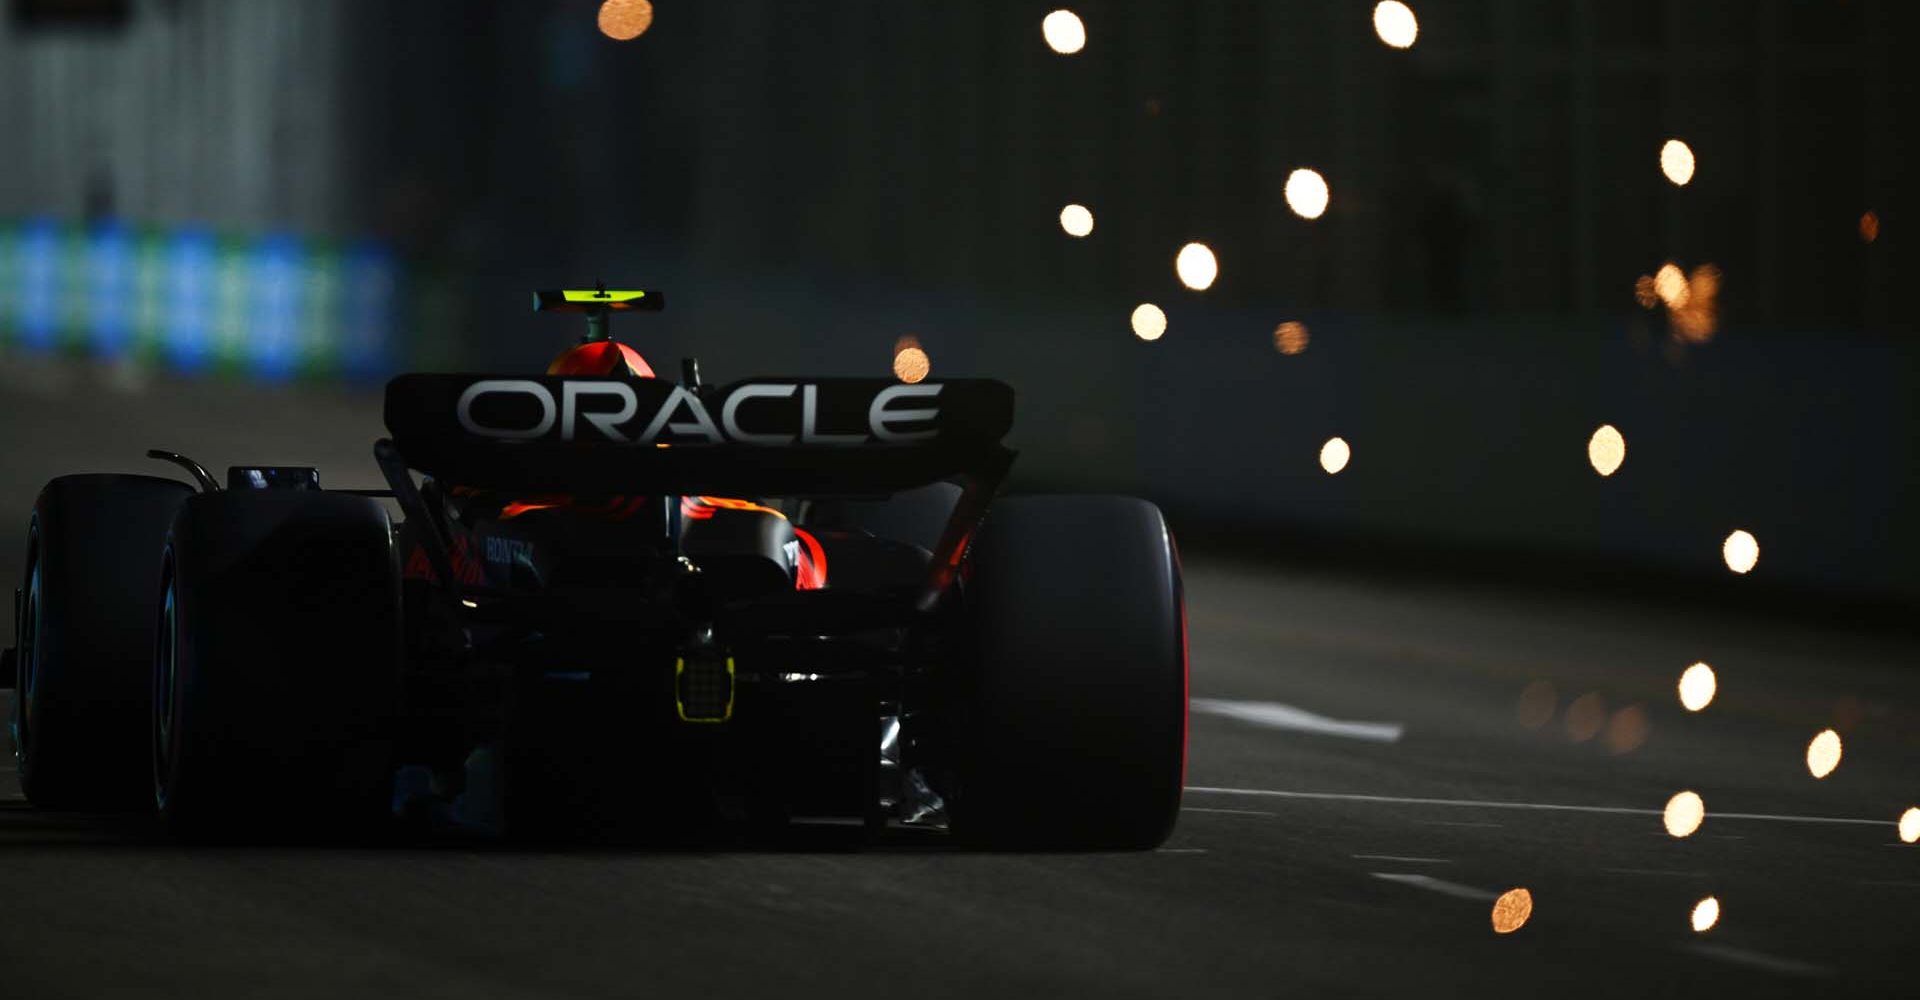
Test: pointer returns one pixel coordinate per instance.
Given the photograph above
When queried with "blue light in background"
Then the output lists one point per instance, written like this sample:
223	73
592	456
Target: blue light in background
189	312
108	286
8	291
370	292
36	276
271	309
273	339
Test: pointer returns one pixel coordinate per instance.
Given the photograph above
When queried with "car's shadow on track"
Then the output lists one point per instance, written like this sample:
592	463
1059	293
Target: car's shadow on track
24	826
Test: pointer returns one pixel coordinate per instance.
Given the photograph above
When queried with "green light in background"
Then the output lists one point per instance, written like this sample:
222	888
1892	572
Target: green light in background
73	290
266	307
9	281
149	295
228	338
323	303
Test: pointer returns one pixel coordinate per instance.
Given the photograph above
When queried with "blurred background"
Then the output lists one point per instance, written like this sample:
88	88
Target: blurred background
1570	291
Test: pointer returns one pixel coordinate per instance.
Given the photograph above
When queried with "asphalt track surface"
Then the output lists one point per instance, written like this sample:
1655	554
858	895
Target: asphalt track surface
1365	779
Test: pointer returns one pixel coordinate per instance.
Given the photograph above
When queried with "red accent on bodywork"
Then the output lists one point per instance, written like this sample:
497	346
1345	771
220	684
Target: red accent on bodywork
519	507
617	508
600	357
465	568
811	574
701	508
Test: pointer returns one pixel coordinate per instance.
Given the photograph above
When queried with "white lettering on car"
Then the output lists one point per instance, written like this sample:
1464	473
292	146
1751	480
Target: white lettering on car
570	393
683	415
810	420
701	424
504	385
730	413
879	417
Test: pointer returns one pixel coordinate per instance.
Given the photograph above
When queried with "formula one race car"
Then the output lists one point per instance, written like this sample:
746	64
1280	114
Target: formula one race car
614	602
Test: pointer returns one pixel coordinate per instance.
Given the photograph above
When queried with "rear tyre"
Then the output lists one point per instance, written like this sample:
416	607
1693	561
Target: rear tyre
85	639
1073	723
276	665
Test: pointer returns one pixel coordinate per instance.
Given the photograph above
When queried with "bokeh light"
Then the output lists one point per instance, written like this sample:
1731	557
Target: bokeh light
1823	753
1077	220
1394	22
1290	337
1869	227
1537	702
1196	266
1741	551
1643	292
1676	161
1606	449
1696	318
1697	687
1910	825
1512	911
910	360
1627	730
1670	284
1307	193
1706	913
1693	303
1684	814
625	20
1334	455
1586	716
1064	32
1149	321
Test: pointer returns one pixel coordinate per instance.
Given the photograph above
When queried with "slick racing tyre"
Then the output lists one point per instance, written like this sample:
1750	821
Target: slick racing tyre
84	639
276	664
1073	721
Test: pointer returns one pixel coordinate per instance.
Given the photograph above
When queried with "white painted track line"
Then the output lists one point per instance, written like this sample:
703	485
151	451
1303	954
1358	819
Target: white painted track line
1757	960
1412	800
1441	886
1274	715
1655	872
1230	812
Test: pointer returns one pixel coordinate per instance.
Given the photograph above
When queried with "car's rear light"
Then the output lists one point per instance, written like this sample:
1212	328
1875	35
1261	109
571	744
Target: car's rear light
703	688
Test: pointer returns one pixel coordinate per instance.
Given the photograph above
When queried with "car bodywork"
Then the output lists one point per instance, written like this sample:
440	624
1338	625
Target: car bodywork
624	600
647	589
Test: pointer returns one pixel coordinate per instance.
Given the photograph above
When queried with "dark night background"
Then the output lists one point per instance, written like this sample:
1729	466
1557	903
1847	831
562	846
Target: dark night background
1446	671
810	182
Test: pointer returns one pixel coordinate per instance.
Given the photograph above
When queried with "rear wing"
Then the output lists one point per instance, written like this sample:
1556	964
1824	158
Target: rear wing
759	437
